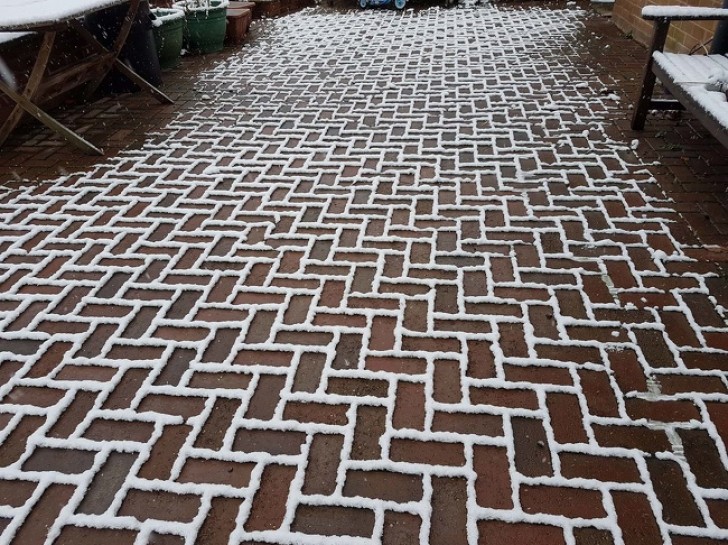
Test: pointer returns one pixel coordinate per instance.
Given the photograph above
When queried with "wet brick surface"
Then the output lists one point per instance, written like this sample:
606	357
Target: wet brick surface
403	278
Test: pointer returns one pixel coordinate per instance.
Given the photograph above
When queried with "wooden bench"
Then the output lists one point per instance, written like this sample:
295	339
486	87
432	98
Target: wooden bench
50	17
684	76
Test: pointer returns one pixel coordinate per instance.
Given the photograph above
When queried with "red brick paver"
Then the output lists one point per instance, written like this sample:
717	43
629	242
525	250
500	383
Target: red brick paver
377	277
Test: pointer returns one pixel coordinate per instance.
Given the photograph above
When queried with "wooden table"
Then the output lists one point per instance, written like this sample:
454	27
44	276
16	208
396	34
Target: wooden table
50	17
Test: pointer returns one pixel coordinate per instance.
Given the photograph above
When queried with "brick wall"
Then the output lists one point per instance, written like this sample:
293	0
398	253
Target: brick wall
683	35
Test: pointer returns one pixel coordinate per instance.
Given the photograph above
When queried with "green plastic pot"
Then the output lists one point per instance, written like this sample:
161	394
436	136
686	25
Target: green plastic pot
169	26
205	29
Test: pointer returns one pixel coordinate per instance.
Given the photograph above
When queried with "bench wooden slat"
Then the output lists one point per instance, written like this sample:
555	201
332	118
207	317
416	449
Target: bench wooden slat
684	76
690	68
683	13
74	76
710	108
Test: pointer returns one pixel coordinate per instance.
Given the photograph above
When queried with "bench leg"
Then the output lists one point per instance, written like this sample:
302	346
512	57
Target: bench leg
49	122
115	62
116	48
141	82
31	87
648	84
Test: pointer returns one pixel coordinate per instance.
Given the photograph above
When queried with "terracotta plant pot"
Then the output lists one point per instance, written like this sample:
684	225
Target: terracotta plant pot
238	22
169	26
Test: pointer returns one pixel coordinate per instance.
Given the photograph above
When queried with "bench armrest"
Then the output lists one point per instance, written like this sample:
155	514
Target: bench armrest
683	13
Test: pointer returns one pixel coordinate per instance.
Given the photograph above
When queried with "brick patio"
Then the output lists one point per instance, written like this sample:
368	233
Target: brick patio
404	278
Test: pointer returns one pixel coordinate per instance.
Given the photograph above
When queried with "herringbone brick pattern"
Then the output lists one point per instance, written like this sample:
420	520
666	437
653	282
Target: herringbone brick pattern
391	278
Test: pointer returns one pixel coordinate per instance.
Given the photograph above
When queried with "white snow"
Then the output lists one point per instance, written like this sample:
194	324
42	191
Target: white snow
701	77
201	5
506	168
717	81
27	14
6	37
162	15
683	12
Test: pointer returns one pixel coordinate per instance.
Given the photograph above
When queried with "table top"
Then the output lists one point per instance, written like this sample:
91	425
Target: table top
34	14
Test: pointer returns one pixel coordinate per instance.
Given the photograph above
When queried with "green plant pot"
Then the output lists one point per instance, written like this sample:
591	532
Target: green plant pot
205	31
169	26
